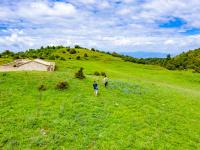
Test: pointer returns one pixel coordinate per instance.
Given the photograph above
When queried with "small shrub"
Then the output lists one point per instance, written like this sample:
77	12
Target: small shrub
62	58
80	74
62	85
41	57
52	57
196	70
92	49
171	66
15	57
103	74
72	51
96	73
57	56
78	57
77	46
42	88
70	58
4	74
85	55
34	56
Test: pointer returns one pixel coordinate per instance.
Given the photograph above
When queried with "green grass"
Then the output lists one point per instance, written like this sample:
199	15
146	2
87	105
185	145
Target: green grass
144	107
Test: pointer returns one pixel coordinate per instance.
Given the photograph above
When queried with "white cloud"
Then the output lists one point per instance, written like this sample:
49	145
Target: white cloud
104	4
130	25
88	1
169	42
43	9
128	1
124	11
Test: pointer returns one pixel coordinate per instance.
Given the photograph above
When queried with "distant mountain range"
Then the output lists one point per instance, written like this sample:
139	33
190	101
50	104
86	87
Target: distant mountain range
142	54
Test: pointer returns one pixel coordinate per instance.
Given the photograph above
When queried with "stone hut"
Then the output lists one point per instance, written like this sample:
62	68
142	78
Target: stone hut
28	65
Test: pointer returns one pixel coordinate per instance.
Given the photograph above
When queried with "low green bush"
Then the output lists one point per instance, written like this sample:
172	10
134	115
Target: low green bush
80	74
62	85
42	87
96	73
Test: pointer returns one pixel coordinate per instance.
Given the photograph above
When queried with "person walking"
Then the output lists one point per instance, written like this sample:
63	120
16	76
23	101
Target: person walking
105	81
95	86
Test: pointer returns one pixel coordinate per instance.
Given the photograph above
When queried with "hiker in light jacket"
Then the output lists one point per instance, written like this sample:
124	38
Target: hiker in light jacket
105	81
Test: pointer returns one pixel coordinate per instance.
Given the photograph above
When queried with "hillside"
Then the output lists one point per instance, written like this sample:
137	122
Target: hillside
58	53
189	60
186	60
144	107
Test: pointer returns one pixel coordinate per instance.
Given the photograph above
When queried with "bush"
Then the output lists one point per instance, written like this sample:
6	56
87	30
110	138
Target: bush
92	49
80	74
96	73
42	88
62	85
15	57
78	57
72	51
115	54
34	56
4	74
196	70
62	58
52	57
77	46
170	66
41	57
85	55
57	56
103	74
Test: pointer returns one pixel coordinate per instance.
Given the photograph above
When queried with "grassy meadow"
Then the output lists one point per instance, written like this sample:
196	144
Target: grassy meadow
144	107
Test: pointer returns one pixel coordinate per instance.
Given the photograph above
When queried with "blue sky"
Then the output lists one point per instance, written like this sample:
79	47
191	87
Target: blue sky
166	26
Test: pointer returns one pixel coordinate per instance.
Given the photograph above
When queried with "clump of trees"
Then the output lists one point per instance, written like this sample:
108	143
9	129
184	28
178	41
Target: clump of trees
78	46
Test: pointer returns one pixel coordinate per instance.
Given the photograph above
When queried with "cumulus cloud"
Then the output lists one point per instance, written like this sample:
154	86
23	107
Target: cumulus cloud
129	25
42	9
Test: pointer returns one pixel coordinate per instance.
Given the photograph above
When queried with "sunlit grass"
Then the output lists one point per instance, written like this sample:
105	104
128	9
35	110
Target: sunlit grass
144	107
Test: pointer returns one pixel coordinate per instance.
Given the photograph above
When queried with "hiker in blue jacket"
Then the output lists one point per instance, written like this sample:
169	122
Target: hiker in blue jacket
95	86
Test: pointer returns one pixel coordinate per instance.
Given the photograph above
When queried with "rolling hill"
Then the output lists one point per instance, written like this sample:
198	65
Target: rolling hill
144	106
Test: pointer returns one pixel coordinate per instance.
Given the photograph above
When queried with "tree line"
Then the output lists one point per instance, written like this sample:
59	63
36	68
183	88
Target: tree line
183	61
